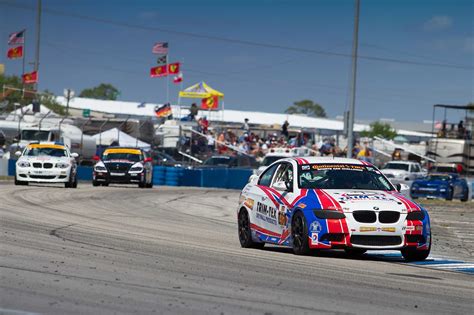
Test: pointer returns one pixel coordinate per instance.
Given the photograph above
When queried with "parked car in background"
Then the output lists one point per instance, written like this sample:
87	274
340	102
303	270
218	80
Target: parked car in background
440	185
446	168
400	171
226	161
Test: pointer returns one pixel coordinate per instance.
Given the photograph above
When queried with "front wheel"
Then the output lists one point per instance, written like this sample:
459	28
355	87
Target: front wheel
245	234
465	197
449	196
412	254
299	233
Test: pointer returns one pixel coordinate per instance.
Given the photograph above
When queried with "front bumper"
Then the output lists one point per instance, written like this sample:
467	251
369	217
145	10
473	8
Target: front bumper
33	175
118	178
431	193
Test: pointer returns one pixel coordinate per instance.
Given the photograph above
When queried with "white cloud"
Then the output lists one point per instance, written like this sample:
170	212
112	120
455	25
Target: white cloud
437	23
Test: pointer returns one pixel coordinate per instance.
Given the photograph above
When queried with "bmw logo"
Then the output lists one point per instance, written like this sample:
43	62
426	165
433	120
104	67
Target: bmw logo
376	208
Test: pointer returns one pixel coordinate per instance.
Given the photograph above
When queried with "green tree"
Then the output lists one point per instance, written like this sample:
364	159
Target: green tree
306	107
379	129
103	91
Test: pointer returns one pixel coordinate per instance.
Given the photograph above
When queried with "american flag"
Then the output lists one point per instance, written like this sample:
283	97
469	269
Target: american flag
16	38
160	48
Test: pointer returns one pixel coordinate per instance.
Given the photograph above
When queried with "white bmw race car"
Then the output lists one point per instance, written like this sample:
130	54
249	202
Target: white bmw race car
331	203
46	162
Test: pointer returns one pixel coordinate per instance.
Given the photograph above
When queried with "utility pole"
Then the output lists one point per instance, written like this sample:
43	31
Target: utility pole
38	31
350	127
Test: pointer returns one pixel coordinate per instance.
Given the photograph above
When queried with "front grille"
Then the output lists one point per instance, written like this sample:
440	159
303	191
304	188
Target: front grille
374	240
333	237
389	216
365	216
37	165
411	238
118	167
42	176
48	165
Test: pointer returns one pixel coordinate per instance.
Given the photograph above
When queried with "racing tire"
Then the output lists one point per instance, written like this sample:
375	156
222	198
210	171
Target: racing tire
449	196
95	183
412	254
245	234
105	184
150	185
299	233
354	252
20	182
465	197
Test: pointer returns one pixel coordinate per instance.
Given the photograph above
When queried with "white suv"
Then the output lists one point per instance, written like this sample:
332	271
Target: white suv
399	171
46	162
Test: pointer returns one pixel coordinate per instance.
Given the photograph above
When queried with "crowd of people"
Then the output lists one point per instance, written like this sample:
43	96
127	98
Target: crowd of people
243	140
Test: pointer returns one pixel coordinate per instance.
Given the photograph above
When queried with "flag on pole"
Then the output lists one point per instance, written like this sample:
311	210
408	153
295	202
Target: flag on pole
173	68
163	111
161	60
15	52
178	78
160	71
16	38
31	77
209	103
160	48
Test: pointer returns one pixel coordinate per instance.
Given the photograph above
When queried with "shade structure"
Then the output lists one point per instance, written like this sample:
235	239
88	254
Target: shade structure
200	90
121	138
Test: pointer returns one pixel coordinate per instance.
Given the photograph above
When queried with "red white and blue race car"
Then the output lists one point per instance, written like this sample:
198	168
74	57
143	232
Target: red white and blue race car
331	203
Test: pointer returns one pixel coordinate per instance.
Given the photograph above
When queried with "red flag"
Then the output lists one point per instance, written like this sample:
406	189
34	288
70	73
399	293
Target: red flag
15	52
160	71
210	102
178	78
31	77
173	68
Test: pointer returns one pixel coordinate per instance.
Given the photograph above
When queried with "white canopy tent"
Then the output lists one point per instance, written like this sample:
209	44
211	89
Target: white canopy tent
123	139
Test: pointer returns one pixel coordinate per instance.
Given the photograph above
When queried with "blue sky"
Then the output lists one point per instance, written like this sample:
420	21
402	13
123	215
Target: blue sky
79	53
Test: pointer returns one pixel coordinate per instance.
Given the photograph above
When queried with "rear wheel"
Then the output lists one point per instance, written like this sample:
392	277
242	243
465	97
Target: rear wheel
95	183
449	196
465	196
299	232
245	234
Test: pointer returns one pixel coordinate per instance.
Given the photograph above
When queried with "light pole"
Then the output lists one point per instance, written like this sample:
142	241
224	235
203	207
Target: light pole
350	127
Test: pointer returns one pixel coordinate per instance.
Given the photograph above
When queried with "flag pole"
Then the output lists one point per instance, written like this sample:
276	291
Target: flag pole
23	64
167	80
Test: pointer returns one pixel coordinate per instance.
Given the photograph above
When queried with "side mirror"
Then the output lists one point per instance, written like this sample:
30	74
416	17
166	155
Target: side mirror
18	153
280	186
96	158
148	159
74	155
253	178
402	188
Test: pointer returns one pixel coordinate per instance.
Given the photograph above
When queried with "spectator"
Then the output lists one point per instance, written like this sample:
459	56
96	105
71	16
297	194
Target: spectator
461	130
204	124
284	129
193	111
246	126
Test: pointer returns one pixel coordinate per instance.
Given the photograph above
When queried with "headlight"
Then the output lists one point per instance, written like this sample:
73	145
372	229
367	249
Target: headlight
24	164
100	168
328	214
136	169
416	216
62	165
442	189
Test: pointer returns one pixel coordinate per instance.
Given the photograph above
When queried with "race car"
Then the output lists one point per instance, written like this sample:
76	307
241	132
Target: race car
331	203
440	185
46	162
120	165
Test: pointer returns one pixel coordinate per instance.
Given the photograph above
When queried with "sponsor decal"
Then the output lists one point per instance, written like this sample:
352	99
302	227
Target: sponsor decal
305	167
249	203
129	151
315	227
282	219
363	196
367	229
377	229
266	213
301	205
338	167
389	229
408	228
314	238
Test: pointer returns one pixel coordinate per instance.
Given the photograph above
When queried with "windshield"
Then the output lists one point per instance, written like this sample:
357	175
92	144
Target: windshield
46	152
218	161
39	135
396	166
270	159
341	176
438	177
122	156
445	169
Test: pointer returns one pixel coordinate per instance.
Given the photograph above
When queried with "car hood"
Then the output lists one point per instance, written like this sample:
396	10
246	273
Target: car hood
434	183
394	172
352	200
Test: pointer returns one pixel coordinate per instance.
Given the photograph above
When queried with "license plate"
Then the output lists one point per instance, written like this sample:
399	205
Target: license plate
117	174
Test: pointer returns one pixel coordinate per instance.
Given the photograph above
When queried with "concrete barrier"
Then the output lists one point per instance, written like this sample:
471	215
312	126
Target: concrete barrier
3	167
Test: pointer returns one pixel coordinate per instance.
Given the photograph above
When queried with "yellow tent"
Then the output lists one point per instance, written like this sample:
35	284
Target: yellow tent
200	90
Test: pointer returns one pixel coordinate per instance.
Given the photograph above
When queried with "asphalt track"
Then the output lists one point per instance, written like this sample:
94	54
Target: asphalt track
125	250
